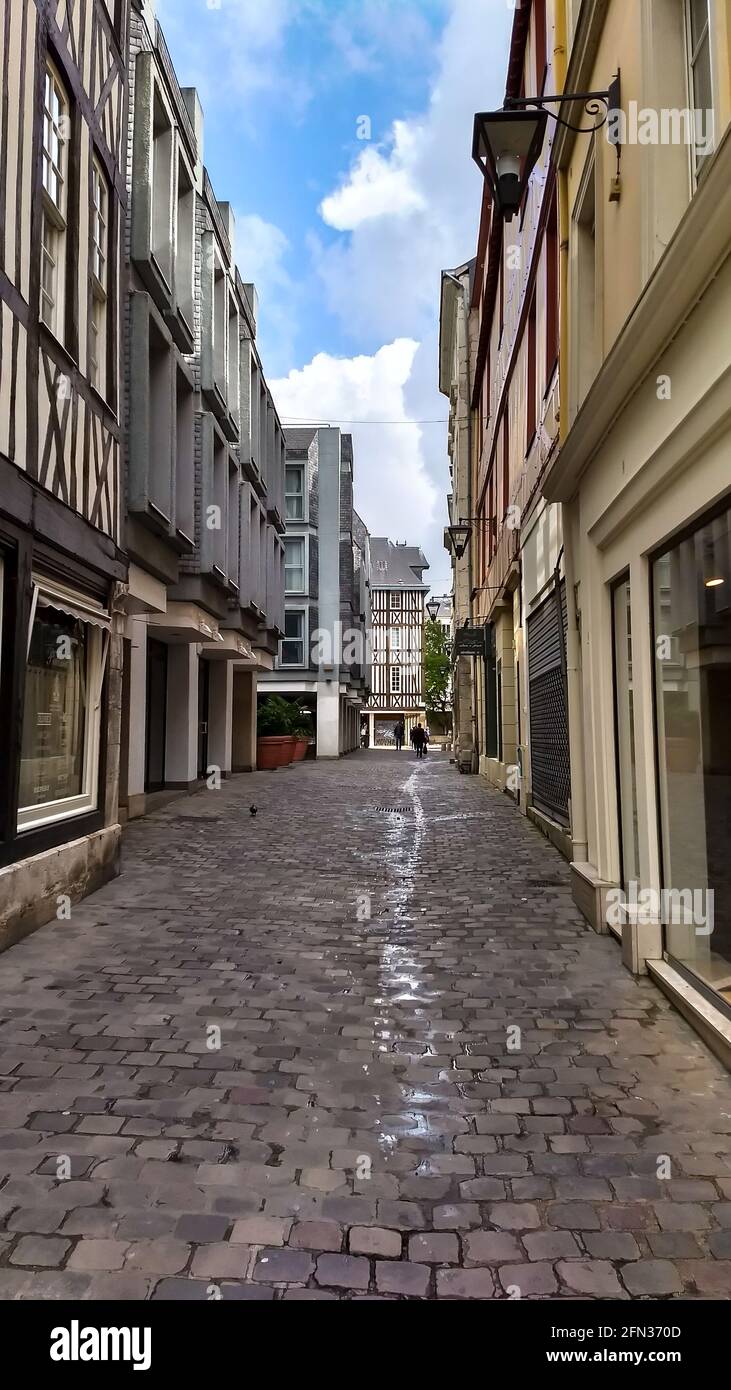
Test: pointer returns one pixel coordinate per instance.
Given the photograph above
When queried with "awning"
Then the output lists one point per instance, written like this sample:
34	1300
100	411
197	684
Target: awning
49	594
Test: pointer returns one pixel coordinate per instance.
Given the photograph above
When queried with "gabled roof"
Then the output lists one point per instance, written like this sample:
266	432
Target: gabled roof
395	566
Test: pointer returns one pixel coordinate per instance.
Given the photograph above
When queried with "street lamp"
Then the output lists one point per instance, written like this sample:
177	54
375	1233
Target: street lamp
459	537
506	144
505	147
432	608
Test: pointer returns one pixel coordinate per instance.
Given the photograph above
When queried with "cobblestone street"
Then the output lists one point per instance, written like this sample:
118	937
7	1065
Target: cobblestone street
372	1124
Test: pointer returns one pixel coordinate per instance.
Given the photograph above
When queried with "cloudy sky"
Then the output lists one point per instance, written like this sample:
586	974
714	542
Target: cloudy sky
340	132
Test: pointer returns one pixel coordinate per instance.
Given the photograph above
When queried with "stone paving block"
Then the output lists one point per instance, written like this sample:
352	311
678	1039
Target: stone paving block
528	1280
41	1251
595	1277
465	1283
651	1277
343	1271
374	1240
316	1235
434	1249
489	1247
402	1277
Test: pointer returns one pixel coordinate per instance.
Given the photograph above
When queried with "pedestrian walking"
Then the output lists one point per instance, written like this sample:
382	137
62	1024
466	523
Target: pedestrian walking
427	737
399	732
418	738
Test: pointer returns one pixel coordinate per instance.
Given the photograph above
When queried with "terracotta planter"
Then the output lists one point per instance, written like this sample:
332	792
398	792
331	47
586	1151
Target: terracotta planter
300	749
274	750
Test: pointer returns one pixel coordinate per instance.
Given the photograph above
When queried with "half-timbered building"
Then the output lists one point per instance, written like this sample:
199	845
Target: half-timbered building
62	572
398	594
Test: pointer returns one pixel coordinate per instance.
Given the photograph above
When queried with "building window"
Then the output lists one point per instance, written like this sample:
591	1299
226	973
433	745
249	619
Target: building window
531	413
99	222
292	648
294	492
294	564
55	198
162	164
63	685
700	80
395	680
539	14
395	600
395	639
552	320
585	299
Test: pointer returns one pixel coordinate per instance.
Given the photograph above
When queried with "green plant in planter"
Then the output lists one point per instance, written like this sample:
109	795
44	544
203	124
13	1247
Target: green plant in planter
274	718
302	722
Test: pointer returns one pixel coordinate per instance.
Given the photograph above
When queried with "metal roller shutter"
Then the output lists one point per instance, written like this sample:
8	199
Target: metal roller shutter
549	735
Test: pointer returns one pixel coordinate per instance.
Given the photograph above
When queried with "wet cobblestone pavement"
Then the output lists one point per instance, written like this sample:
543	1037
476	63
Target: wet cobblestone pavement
462	1095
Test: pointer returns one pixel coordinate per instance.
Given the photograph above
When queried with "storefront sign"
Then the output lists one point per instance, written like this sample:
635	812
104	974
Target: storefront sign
469	641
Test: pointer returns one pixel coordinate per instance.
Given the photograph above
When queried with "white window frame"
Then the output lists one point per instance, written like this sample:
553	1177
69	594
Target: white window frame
395	600
292	665
395	639
54	202
303	540
395	684
697	165
301	470
49	592
99	233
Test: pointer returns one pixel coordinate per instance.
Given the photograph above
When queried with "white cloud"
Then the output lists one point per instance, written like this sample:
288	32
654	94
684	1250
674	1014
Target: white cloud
380	184
392	489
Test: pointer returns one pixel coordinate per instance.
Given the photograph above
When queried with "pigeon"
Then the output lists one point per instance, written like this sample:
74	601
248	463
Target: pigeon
253	810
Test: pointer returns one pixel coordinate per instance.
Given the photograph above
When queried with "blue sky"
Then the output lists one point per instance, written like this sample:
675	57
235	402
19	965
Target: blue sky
345	236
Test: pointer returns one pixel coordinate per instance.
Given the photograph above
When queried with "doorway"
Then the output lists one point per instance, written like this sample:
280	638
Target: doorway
156	720
204	685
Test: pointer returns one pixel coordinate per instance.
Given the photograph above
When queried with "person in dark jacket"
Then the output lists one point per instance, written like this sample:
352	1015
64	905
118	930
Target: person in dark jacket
398	732
418	738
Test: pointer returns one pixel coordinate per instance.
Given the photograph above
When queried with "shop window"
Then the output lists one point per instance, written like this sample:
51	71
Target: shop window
691	584
625	732
63	684
292	648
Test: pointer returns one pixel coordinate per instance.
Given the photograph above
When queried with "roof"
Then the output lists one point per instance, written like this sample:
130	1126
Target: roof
396	566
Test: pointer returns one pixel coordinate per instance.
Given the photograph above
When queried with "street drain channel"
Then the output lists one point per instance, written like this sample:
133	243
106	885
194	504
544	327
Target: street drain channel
395	810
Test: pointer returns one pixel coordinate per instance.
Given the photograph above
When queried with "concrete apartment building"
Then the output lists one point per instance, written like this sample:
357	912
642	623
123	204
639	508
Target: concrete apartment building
644	483
324	658
398	595
62	568
205	457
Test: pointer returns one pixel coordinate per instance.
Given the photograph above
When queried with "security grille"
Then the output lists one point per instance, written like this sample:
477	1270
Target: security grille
549	734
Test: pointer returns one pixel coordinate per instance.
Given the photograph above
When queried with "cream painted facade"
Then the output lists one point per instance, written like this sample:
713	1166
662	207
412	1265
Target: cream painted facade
645	459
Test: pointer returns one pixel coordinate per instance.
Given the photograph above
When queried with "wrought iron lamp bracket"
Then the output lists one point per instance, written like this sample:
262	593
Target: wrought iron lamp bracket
593	103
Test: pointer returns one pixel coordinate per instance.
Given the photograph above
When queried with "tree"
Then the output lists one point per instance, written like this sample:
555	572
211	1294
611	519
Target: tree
437	668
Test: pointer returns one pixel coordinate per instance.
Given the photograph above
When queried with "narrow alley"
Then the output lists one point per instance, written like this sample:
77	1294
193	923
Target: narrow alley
358	1044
